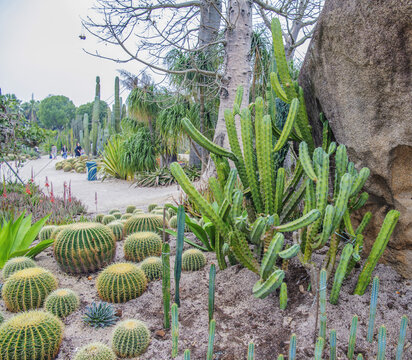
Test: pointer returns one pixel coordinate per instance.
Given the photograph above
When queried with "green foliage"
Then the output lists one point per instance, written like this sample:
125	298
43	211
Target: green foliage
143	222
15	264
130	338
111	163
166	284
193	260
62	302
88	109
95	351
152	267
31	335
28	288
117	229
100	314
84	247
121	282
141	245
55	112
163	177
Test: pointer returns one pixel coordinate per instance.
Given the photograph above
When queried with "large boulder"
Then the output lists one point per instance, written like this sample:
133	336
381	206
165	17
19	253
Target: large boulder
357	71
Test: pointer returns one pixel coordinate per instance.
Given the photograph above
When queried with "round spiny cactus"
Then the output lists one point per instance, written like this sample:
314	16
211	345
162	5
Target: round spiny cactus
117	228
57	231
139	246
84	247
32	335
114	211
67	168
143	222
46	232
58	165
138	212
152	267
117	215
173	223
130	338
126	216
121	282
171	212
108	219
95	351
28	288
193	260
16	264
151	207
1	317
62	302
130	209
99	218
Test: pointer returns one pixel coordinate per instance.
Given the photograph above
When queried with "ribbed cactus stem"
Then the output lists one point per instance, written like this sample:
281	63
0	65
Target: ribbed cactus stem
116	105
372	309
320	342
251	351
340	273
352	337
95	116
166	284
179	249
292	347
381	343
186	355
175	330
211	298
332	344
283	296
322	303
402	337
212	328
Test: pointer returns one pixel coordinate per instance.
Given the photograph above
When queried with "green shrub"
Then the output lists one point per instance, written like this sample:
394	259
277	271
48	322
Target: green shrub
34	335
16	264
95	351
62	302
108	219
143	222
117	229
28	288
141	245
152	267
130	209
130	338
46	232
84	247
121	282
193	260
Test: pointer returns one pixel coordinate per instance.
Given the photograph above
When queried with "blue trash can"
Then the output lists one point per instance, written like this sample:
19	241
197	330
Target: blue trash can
91	170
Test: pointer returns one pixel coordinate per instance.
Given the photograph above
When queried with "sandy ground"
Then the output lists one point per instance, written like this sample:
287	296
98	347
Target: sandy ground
240	318
110	193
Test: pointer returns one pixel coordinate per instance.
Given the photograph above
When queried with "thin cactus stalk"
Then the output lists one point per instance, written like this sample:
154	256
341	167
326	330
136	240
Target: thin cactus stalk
372	310
186	355
212	327
95	116
179	249
166	284
319	348
292	347
116	105
352	337
381	343
402	336
86	134
340	273
211	302
332	344
283	296
251	351
175	330
322	303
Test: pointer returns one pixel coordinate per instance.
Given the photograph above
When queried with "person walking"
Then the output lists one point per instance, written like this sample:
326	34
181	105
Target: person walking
78	150
54	151
64	152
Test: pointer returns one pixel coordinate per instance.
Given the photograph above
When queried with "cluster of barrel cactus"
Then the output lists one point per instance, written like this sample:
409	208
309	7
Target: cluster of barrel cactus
141	245
77	164
46	232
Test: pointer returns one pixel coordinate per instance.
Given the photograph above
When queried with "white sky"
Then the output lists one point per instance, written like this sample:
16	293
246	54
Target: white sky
41	53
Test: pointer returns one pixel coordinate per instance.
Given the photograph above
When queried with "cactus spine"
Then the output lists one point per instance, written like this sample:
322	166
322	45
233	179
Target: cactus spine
166	284
322	303
175	330
116	105
381	343
95	117
211	297
15	264
212	327
352	337
372	310
332	344
402	336
117	229
283	296
62	302
130	338
95	351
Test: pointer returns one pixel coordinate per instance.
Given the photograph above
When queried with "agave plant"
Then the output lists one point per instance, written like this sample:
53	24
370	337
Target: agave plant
112	164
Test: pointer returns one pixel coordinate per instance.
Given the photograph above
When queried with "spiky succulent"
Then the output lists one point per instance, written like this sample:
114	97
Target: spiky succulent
126	216
121	282
130	338
31	335
130	209
193	260
117	229
141	245
57	231
15	264
137	212
62	302
100	314
112	211
95	351
152	267
67	168
28	288
99	218
144	222
117	215
1	317
108	219
46	232
151	207
84	247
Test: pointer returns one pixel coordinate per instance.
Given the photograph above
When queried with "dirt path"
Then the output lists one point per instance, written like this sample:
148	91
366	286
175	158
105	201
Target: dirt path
110	193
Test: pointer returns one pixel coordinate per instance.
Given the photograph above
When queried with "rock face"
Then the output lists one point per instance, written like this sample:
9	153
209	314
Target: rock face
358	72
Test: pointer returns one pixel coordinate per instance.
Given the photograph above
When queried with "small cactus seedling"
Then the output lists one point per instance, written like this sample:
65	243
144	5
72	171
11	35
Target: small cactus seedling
130	338
283	296
143	222
121	282
141	245
117	229
211	298
62	302
193	260
28	288
152	267
16	264
46	231
292	347
251	351
319	348
352	337
322	303
372	310
130	209
186	355
95	351
332	344
381	343
402	336
212	327
100	314
31	335
107	219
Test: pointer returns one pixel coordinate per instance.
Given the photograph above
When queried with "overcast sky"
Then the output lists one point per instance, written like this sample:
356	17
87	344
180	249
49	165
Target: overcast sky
41	52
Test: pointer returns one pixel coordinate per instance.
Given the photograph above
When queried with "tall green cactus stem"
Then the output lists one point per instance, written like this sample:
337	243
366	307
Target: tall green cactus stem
281	357
402	336
166	284
186	355
292	347
306	162
340	273
95	351
251	351
175	330
280	186
31	335
130	338
283	296
332	344
140	245
322	302
303	221
287	128
16	264
364	223
378	248
381	343
352	337
359	357
95	116
271	254
62	302
211	297
320	342
86	134
116	105
372	309
179	250
212	327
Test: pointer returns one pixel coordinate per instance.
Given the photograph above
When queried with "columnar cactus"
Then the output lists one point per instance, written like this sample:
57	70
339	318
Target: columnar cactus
46	232
117	229
340	273
15	264
95	351
62	302
352	337
141	245
28	288
152	267
381	343
193	260
31	335
130	209
130	338
108	219
121	282
372	309
117	117
84	247
95	117
86	134
166	284
143	222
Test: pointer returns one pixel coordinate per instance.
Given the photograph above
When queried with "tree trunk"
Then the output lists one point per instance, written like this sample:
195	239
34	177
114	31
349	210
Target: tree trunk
237	65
